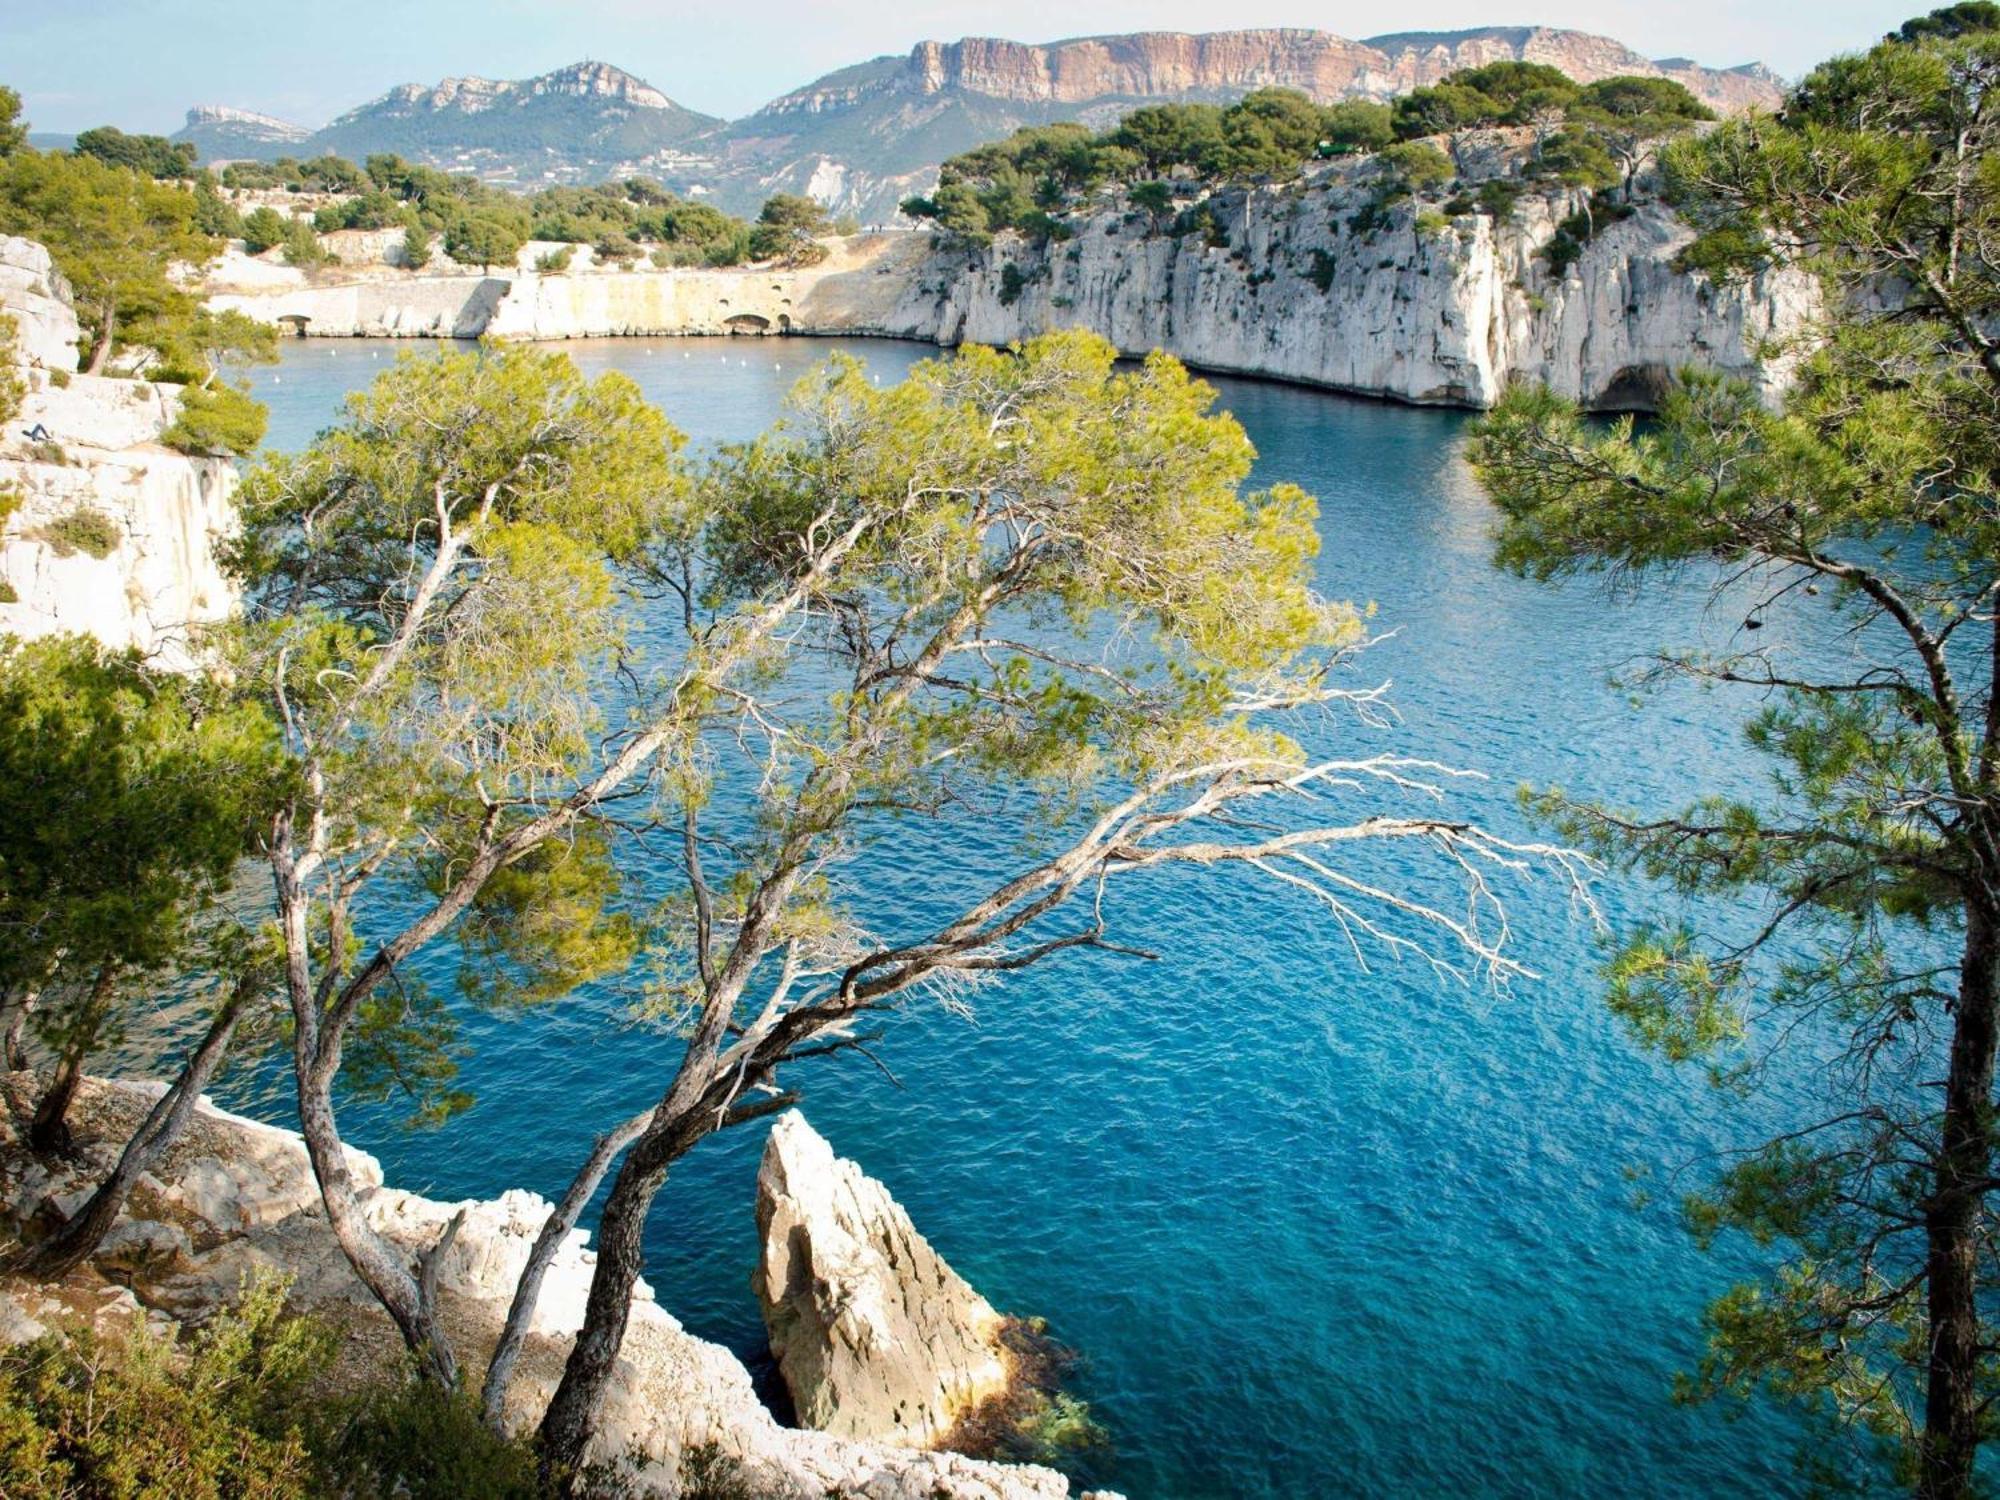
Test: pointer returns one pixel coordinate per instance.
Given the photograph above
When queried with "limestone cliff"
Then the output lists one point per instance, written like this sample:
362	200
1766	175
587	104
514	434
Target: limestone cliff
876	1336
1303	281
236	1197
145	571
1416	307
1221	64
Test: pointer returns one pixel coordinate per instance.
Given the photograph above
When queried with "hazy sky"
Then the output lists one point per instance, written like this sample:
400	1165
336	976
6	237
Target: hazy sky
140	63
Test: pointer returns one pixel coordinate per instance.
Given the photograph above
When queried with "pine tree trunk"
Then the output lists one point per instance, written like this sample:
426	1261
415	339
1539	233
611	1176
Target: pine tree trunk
571	1418
78	1240
398	1290
1952	1223
101	355
48	1132
555	1229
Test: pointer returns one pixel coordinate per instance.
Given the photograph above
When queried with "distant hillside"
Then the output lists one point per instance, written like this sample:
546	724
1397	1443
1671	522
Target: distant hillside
586	122
221	133
862	138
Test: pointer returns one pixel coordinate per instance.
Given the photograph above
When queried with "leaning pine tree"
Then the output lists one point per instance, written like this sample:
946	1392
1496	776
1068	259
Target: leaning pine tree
1874	494
1028	588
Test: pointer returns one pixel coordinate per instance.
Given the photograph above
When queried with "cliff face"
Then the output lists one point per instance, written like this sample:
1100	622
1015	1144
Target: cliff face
158	575
877	1337
1166	64
1435	316
1441	316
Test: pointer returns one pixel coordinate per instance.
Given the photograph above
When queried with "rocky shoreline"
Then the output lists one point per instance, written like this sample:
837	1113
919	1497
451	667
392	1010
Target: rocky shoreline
1311	282
236	1198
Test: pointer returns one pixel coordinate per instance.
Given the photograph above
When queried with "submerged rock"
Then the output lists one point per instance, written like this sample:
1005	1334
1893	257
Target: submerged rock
875	1335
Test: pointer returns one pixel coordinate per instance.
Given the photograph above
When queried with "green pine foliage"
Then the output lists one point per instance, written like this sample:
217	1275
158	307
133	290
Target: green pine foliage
1591	136
1867	867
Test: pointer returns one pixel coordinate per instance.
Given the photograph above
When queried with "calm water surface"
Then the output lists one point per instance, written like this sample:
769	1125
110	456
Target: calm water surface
1316	1229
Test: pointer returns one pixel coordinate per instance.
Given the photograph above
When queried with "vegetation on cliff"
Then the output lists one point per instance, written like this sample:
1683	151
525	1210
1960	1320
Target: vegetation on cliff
1589	136
484	225
241	1410
1872	861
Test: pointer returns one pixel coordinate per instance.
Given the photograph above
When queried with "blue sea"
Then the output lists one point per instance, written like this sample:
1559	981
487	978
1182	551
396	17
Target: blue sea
1316	1223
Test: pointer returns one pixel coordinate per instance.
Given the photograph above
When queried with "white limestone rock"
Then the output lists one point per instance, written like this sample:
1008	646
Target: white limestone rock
1299	292
161	578
876	1336
34	295
236	1198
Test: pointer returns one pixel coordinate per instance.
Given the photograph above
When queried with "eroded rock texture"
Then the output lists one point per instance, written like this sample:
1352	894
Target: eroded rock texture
876	1336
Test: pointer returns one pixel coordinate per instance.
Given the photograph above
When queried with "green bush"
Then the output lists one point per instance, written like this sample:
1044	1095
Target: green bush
264	228
415	1441
88	1418
239	1412
11	389
416	246
1011	284
85	529
555	260
216	419
302	246
1431	223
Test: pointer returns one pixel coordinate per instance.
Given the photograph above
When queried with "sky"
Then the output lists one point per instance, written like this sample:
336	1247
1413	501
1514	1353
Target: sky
139	64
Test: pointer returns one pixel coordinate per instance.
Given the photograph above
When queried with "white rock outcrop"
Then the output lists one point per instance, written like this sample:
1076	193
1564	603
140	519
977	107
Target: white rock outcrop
236	1197
876	1336
1425	310
158	576
1298	281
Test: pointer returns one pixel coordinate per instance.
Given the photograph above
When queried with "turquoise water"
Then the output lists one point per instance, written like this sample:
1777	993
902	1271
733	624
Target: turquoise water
1314	1229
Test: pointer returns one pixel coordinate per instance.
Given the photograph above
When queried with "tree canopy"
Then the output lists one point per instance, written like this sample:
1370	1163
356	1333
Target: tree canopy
117	236
1872	861
1587	136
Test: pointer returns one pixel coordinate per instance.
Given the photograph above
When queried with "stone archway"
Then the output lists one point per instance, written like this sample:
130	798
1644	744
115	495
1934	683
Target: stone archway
295	323
750	323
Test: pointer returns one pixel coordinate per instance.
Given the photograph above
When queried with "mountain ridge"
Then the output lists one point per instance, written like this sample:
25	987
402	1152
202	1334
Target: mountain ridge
865	135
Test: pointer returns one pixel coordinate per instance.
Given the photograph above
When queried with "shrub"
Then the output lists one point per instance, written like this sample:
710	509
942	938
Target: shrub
82	1415
708	1473
1323	267
416	247
1431	223
216	419
1497	197
415	1441
263	228
1416	165
238	1413
302	246
11	389
556	260
1011	284
85	529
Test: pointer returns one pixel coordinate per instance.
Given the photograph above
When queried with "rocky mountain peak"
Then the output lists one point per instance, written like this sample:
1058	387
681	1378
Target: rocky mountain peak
472	94
223	114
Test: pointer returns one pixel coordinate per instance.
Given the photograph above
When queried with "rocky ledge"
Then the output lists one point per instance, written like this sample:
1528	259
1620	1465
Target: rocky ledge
236	1197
